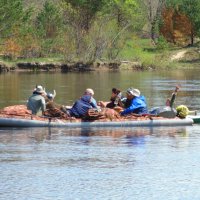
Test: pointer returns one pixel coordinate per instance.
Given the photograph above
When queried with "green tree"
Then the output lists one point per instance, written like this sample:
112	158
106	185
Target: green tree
49	25
49	20
124	11
128	16
12	15
101	26
87	10
13	26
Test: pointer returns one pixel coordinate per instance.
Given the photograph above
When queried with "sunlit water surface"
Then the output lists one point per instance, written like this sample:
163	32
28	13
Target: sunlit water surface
118	163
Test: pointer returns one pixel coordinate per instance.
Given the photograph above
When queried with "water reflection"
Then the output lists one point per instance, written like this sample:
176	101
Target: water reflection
135	135
57	162
135	140
85	144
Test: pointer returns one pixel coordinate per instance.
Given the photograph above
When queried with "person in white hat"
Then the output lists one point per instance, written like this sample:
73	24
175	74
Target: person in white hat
137	102
36	102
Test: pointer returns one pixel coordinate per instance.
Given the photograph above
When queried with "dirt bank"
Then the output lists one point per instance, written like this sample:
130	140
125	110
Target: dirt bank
71	67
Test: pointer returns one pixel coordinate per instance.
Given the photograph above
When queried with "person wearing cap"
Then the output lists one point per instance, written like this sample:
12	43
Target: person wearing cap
50	104
36	102
50	97
137	102
53	109
90	92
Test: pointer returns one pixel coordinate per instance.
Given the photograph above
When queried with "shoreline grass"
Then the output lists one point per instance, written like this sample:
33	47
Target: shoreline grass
136	50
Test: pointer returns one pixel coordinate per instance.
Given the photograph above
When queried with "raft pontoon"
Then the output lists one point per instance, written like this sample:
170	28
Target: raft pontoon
14	122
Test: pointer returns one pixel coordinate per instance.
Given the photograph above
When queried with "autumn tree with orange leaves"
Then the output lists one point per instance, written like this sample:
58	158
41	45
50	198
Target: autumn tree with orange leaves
190	9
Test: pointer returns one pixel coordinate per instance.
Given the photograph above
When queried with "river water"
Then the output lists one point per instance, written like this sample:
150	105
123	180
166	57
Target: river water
110	163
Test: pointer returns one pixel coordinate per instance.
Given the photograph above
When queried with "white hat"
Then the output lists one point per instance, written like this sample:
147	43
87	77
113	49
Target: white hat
39	89
134	92
89	91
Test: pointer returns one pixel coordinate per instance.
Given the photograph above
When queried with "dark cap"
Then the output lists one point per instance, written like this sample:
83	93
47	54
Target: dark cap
50	95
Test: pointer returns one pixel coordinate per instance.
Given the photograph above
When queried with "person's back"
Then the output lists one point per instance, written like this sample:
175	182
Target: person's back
141	103
53	109
81	106
36	102
50	103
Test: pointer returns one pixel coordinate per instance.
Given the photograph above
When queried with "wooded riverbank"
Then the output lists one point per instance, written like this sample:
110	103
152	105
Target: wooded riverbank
176	58
77	33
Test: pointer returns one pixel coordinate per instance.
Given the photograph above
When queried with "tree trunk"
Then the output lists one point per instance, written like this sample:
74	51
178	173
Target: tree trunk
153	30
192	37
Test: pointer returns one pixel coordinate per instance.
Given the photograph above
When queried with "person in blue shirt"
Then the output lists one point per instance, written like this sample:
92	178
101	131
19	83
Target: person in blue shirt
81	107
137	103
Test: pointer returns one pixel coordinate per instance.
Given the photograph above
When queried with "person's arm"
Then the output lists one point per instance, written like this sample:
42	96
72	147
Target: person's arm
93	103
120	103
137	102
128	110
173	97
43	105
54	93
102	104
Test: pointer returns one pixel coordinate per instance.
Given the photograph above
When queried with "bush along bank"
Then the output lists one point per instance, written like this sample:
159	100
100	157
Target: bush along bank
74	67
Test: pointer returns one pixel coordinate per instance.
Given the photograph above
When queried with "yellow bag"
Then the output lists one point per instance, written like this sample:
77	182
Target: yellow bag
182	111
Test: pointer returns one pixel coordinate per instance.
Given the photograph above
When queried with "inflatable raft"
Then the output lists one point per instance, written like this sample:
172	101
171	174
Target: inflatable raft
19	116
14	122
